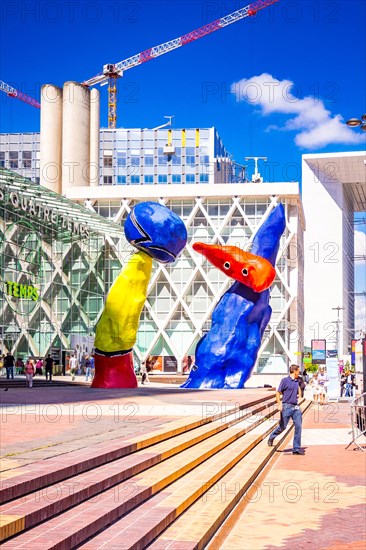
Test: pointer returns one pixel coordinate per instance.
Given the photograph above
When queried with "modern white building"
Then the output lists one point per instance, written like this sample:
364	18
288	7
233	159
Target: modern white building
333	188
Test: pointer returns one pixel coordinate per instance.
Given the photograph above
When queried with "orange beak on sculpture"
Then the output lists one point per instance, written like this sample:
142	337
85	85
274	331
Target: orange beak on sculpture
253	271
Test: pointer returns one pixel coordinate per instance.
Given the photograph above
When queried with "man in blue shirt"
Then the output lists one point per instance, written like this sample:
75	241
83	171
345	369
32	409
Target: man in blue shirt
290	391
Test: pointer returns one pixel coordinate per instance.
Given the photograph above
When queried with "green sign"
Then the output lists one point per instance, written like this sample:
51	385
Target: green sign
17	290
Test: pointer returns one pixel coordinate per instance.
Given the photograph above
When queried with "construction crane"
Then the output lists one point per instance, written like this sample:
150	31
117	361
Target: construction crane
111	72
12	92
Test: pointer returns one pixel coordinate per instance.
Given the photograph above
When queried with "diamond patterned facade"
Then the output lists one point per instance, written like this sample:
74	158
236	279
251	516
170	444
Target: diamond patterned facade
42	248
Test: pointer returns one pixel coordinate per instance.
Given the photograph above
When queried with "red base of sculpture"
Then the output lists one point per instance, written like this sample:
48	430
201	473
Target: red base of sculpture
114	372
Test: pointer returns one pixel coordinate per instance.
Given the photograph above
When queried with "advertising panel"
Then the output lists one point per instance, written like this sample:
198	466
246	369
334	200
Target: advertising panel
353	352
154	363
187	363
333	386
170	363
319	351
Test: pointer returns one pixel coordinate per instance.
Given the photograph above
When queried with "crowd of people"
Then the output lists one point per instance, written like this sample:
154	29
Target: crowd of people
31	367
320	382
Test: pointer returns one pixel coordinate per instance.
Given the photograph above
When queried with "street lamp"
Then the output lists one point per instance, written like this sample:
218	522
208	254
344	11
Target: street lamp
354	122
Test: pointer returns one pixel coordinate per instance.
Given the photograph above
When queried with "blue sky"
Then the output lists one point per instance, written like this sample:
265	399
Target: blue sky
309	54
304	49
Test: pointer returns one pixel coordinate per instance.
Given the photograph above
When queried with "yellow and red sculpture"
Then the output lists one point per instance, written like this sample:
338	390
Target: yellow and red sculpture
158	234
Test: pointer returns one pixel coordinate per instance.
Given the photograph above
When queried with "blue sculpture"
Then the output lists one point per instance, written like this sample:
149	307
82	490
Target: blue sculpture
226	355
156	230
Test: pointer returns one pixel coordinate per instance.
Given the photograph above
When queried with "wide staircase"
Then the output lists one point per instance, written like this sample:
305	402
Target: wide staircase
171	488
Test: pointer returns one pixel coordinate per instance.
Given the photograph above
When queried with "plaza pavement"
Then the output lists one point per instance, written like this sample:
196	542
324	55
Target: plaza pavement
312	501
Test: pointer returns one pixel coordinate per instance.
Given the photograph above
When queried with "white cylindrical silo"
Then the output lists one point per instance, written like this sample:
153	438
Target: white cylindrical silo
75	136
94	136
51	138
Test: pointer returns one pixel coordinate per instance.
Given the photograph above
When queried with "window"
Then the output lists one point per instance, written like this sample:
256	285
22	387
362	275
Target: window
162	178
2	159
176	178
121	180
135	160
149	179
162	159
107	180
149	160
177	158
135	180
204	178
121	158
13	159
190	178
190	155
27	159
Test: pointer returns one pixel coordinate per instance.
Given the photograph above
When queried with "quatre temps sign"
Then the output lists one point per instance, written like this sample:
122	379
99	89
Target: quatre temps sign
22	267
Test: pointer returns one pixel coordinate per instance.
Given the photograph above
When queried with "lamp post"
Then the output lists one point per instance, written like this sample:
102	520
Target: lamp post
338	309
355	122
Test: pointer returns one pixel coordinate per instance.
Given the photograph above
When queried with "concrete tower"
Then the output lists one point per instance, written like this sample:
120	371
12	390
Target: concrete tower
51	138
94	136
75	136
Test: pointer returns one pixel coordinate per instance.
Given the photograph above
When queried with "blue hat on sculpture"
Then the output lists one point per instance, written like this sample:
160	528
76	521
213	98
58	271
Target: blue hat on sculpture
156	230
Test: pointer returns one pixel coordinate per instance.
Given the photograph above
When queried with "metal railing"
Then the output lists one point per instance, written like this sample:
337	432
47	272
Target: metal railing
358	419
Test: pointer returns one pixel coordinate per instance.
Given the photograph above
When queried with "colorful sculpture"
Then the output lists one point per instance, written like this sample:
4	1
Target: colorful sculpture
159	234
226	355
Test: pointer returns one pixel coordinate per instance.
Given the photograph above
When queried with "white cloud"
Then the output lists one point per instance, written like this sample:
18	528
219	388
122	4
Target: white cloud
315	126
360	245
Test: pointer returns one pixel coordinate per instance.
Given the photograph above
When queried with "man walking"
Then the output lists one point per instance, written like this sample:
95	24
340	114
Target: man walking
9	363
73	366
290	391
49	367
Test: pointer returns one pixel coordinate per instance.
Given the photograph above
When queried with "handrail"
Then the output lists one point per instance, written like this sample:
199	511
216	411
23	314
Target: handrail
358	419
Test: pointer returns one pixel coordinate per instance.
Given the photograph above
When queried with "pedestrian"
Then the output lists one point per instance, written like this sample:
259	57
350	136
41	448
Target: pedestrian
19	366
302	384
289	390
306	376
88	368
144	375
9	363
323	383
343	382
29	373
315	386
39	366
350	382
49	367
73	366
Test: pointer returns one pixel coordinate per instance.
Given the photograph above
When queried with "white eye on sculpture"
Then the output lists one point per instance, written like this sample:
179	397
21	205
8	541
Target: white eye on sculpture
244	271
227	265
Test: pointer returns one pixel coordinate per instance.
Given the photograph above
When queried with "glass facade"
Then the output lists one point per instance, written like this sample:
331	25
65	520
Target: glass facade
55	269
135	156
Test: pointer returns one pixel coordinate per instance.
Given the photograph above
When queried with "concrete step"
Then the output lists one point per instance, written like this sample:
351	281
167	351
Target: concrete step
54	499
44	473
72	528
139	528
193	446
196	526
